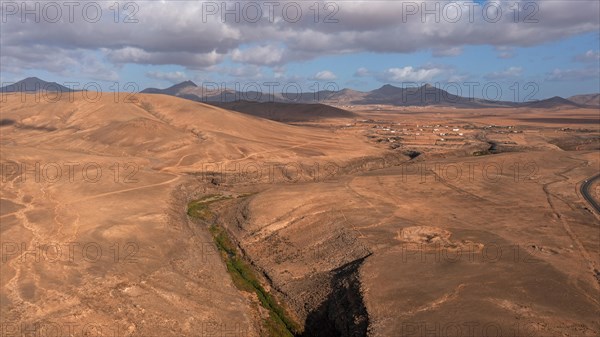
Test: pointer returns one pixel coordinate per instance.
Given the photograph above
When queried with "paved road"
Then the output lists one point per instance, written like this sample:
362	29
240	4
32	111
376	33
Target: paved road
585	191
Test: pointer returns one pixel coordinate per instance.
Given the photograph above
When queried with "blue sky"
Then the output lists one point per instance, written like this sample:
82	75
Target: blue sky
371	44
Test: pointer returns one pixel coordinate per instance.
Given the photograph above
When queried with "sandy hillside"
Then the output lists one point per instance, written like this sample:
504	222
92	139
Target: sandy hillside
98	191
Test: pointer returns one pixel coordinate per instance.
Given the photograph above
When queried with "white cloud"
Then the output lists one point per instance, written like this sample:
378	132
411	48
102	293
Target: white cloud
190	60
324	75
505	52
451	51
73	64
362	72
573	74
173	77
259	55
510	72
506	55
410	74
179	33
588	56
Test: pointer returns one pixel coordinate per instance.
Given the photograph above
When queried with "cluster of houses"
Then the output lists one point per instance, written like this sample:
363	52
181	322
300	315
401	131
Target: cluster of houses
411	134
501	129
429	135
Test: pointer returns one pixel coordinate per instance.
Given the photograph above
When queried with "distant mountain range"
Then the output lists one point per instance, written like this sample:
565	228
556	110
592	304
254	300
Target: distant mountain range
33	84
589	99
425	95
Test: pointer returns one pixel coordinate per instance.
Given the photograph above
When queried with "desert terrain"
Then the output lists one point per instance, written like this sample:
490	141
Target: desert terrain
161	216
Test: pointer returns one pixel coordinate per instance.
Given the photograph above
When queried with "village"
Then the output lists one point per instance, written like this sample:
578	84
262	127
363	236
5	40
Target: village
451	135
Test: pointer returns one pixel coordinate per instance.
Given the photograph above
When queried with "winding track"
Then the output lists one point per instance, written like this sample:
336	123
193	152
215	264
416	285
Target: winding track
585	192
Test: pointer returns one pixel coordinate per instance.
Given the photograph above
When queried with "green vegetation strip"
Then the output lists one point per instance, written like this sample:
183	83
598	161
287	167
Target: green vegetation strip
278	324
199	208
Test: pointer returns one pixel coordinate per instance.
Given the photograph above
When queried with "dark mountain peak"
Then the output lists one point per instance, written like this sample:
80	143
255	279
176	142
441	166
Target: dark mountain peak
552	102
181	85
30	82
185	84
172	90
558	99
387	87
33	84
425	88
31	79
348	91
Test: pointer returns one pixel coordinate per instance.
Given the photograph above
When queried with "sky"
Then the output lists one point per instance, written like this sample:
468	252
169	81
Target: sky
510	50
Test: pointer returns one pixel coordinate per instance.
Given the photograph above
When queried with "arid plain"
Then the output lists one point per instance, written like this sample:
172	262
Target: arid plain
380	221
